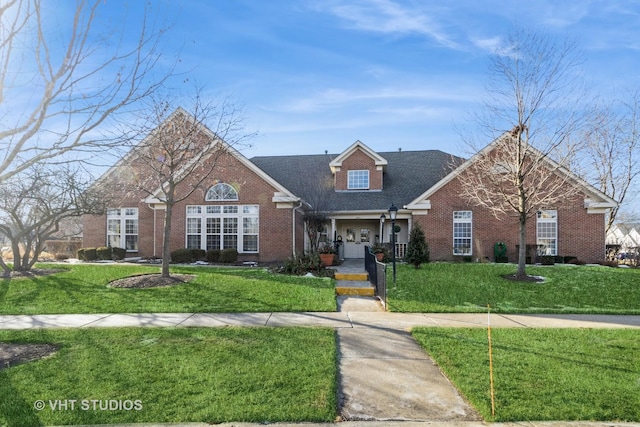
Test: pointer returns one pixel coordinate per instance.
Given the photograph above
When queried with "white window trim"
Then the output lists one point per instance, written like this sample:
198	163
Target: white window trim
122	215
224	212
469	221
350	180
229	194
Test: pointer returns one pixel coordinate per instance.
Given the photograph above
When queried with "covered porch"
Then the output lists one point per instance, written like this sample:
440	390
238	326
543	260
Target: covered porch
352	232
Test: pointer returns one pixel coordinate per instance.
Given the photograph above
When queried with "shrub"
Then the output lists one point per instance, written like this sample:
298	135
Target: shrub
119	253
181	256
186	256
213	255
197	255
61	257
81	255
576	261
547	260
90	254
228	256
104	253
302	264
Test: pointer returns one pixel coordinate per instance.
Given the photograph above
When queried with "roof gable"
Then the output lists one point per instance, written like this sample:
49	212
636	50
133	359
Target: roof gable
378	160
598	200
281	194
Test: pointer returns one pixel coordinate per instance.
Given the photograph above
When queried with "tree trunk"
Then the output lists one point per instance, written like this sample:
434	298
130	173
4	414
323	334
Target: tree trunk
17	259
166	243
6	271
522	250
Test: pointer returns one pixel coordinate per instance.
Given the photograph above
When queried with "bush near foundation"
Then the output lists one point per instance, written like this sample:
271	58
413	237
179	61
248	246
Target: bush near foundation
119	253
104	253
187	256
87	254
213	255
229	256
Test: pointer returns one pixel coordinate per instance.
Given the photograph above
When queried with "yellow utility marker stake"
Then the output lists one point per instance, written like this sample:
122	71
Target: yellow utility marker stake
493	399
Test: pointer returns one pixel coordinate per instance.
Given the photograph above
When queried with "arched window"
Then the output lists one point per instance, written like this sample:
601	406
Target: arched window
221	191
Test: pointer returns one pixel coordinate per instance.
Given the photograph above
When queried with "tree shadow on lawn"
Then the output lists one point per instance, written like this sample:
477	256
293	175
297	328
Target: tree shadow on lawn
575	357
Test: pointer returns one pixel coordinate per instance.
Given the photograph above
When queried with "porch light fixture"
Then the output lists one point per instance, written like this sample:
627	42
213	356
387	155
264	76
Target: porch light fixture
393	212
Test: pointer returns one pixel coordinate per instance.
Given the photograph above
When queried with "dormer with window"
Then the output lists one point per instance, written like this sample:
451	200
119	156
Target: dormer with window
358	168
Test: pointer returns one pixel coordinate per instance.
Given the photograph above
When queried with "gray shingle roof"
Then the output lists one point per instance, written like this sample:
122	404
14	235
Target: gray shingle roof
408	174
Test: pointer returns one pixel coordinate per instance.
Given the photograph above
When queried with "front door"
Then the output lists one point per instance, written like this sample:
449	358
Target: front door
355	238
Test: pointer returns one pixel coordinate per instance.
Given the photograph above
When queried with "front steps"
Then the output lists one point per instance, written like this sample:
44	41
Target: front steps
354	284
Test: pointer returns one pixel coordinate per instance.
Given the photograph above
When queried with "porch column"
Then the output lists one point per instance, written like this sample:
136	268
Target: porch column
333	229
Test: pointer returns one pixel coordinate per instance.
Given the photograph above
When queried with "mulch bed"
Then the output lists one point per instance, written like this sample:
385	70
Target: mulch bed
151	281
14	354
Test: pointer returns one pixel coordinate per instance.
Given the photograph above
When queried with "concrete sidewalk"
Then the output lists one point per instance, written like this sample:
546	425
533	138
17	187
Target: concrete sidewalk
346	319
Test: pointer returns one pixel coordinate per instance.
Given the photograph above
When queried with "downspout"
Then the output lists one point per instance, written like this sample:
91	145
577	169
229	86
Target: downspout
293	227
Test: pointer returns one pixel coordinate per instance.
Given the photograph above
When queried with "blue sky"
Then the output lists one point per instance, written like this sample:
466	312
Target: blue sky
318	75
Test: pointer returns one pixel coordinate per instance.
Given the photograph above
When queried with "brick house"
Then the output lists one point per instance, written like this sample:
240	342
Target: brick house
256	206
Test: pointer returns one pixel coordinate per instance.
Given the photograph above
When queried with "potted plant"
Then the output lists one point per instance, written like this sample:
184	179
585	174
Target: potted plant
327	254
379	252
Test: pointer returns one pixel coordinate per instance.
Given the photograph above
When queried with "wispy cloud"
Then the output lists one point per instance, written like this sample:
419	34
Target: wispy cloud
333	98
389	17
491	44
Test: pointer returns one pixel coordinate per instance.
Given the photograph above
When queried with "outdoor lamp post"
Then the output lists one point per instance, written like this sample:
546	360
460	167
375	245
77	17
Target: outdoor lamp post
382	219
393	211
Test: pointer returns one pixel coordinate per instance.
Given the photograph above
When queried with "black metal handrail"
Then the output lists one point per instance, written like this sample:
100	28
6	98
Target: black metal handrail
377	274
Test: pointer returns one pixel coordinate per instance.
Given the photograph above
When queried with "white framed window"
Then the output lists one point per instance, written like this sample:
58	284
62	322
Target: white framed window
547	232
223	227
221	191
194	233
122	228
462	232
358	180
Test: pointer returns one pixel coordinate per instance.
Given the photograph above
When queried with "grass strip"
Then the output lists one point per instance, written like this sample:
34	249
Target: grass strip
83	289
543	374
469	287
176	375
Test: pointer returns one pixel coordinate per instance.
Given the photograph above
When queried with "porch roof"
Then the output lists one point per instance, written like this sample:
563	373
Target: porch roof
408	174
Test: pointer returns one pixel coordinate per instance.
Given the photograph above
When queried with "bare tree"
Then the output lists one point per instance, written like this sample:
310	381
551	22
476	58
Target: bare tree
59	85
316	211
534	90
183	147
34	203
612	150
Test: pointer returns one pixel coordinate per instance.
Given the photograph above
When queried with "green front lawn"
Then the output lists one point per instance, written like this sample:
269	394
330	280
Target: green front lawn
83	289
543	374
173	375
470	287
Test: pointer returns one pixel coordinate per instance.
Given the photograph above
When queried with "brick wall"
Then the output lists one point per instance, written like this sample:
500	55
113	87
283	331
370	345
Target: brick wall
358	160
579	234
275	238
